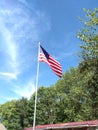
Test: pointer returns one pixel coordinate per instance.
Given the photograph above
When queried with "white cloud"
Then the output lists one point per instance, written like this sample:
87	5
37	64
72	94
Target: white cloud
25	90
20	28
7	98
19	91
8	75
10	48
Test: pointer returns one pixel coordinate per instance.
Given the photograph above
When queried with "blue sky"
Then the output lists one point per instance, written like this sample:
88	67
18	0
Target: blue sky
24	23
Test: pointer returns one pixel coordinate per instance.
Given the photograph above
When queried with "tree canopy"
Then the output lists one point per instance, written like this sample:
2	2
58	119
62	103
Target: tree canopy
73	98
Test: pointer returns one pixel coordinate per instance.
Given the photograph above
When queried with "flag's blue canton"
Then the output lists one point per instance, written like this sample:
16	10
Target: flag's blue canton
45	52
44	56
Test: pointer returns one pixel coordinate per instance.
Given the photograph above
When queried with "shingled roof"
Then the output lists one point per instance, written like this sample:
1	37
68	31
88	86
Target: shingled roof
93	123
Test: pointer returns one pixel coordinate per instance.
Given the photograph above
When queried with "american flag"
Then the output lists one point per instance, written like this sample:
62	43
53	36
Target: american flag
44	56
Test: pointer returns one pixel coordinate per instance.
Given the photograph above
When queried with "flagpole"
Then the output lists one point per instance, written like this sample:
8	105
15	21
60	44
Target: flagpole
34	120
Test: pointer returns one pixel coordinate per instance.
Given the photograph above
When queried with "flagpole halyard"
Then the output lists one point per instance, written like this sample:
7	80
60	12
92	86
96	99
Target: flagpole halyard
34	119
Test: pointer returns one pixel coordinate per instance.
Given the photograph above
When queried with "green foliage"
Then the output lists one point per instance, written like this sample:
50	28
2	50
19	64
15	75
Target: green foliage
14	114
73	98
21	109
46	105
89	35
9	116
89	65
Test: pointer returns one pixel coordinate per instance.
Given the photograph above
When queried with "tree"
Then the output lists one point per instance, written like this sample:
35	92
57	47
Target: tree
46	108
89	53
89	35
22	112
14	114
73	100
9	115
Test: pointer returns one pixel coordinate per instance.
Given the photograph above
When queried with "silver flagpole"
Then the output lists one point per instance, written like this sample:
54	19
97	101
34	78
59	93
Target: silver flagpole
34	120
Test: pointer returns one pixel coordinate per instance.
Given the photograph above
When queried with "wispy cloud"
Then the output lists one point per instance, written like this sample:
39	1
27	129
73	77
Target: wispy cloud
20	28
10	47
6	99
25	90
18	91
8	75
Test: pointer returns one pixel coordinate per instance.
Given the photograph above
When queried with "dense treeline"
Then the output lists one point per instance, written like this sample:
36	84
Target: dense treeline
73	98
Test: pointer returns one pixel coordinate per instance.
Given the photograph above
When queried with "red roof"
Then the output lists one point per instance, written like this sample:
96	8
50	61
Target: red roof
92	123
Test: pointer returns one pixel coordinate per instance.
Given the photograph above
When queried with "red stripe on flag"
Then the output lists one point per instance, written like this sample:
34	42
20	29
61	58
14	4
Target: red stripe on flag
44	56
